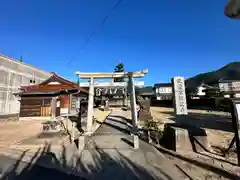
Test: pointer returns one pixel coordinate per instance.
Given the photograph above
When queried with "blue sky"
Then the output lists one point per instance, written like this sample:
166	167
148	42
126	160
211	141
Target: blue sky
167	37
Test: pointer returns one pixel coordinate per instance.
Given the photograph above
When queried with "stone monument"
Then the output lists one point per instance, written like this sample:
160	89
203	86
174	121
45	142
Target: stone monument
181	136
179	99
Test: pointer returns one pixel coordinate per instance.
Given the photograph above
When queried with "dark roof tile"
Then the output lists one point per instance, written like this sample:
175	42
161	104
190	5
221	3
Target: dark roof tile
163	85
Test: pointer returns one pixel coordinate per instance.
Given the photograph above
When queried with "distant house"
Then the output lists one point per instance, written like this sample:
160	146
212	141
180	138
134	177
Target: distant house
145	92
213	92
163	91
38	99
230	87
202	89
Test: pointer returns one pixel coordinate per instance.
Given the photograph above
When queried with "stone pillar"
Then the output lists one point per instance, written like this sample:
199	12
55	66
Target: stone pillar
70	103
73	131
133	100
126	98
179	99
53	107
106	108
90	105
133	111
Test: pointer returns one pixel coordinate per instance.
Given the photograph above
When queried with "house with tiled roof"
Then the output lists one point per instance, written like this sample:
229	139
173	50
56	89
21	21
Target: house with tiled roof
230	87
38	99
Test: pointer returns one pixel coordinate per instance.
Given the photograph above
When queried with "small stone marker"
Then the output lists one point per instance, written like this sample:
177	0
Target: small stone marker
179	96
135	141
106	108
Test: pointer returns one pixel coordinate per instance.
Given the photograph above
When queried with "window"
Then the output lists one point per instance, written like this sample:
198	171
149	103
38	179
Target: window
12	77
3	95
169	90
10	96
3	77
18	80
161	90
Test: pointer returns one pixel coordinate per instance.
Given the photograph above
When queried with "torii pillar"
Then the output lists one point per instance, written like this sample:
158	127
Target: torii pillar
100	75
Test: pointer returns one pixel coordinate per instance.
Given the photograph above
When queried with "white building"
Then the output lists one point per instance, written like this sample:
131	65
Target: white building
163	91
200	90
14	74
230	87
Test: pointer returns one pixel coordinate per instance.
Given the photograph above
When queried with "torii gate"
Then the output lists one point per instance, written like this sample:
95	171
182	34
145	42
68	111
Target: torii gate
104	75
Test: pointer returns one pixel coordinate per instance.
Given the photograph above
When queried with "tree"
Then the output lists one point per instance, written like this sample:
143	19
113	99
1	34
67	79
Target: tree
119	68
21	59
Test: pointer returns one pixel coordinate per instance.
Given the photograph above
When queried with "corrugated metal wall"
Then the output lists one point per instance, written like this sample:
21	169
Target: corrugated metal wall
14	74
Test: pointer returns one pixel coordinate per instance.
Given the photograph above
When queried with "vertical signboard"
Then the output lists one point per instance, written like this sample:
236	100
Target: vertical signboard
179	96
235	111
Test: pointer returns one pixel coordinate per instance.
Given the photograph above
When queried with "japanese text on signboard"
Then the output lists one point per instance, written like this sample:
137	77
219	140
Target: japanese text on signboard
181	95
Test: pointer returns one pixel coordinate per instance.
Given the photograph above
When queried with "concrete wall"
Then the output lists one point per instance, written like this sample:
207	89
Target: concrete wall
14	74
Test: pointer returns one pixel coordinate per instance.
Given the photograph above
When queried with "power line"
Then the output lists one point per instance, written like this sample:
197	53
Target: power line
95	31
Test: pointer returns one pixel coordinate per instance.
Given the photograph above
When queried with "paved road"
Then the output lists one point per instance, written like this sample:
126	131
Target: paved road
108	155
12	169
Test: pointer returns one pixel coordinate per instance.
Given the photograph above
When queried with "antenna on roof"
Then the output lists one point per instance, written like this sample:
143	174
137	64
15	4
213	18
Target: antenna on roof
78	81
21	59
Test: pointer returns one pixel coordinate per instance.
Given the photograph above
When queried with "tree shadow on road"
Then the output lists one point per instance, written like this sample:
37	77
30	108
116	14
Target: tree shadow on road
46	165
206	166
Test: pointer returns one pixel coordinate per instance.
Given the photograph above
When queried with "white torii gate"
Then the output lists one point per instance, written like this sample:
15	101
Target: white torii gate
102	75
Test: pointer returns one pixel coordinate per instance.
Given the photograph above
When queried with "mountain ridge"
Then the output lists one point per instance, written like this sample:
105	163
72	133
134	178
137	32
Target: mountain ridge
229	71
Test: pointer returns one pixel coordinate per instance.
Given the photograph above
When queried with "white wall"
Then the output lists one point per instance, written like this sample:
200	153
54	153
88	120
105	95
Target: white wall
236	85
13	75
162	90
225	86
162	93
200	91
